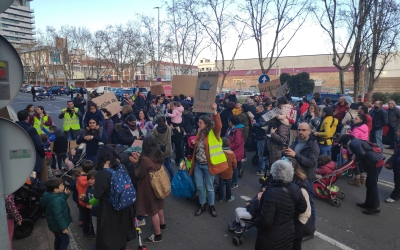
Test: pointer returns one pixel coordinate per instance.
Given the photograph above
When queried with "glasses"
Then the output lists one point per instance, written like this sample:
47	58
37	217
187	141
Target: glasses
302	130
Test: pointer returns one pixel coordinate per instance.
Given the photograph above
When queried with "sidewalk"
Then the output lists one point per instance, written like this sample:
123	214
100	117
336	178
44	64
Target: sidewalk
40	239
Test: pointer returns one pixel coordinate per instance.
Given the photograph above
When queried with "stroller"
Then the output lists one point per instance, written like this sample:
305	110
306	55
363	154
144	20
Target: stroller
27	200
238	239
324	186
67	174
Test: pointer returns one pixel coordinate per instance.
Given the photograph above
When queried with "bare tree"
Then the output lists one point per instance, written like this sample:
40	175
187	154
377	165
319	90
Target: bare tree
273	24
101	62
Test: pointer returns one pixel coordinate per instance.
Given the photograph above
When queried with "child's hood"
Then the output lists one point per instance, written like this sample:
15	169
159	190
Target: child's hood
82	181
180	109
47	197
330	165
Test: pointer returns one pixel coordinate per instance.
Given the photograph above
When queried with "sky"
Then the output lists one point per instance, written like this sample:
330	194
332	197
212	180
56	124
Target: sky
97	14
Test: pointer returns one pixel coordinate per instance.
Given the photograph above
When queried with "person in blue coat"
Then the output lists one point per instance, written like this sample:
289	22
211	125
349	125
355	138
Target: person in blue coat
23	118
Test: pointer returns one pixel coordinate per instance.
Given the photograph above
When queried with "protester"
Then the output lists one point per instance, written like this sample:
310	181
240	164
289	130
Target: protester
70	116
162	132
394	163
339	112
92	141
13	216
129	131
235	134
326	132
144	122
379	120
40	120
312	117
225	178
393	122
31	109
108	125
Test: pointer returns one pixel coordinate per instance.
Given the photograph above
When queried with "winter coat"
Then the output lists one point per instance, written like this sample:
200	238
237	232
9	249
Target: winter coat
225	120
50	136
108	129
360	131
81	186
235	136
275	222
350	115
326	169
92	146
327	130
340	111
244	119
140	102
39	147
146	201
176	115
97	116
394	117
394	160
259	132
369	122
188	123
163	136
89	196
60	143
308	157
314	122
58	215
303	223
274	144
80	103
114	228
125	135
379	118
303	108
231	160
364	153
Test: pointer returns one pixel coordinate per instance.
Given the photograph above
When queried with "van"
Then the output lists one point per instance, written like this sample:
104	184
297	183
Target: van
103	89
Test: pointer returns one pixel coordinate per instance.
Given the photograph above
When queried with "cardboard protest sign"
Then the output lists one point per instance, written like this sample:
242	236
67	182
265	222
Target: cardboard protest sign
167	90
185	85
109	101
269	115
282	88
271	87
206	90
137	143
156	90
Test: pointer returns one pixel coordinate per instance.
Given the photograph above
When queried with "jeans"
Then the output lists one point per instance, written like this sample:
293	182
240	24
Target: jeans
371	183
325	149
60	160
311	195
168	166
71	135
396	192
241	213
227	184
261	159
33	98
61	241
376	137
236	173
93	158
204	178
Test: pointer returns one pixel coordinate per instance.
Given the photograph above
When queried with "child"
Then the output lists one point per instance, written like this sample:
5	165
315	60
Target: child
72	159
81	187
89	198
46	143
176	115
72	187
250	211
51	137
325	165
92	113
58	215
60	148
13	216
225	178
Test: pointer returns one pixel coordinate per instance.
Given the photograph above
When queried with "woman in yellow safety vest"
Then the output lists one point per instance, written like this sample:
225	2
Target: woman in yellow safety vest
208	159
40	120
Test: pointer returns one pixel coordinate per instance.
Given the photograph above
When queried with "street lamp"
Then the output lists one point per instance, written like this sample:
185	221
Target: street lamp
158	53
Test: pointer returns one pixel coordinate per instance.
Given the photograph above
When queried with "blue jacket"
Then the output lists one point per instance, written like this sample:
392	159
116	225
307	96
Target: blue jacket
90	195
98	116
36	141
72	188
51	136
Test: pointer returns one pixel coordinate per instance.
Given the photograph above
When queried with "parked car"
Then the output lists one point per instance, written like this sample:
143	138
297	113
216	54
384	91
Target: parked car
119	93
24	88
78	90
334	97
245	94
102	89
143	90
58	90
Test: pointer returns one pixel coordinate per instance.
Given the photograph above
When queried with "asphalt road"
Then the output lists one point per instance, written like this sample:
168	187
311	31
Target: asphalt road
337	228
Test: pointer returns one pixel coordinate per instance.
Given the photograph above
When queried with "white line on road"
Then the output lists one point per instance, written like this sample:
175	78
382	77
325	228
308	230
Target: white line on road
244	197
386	183
332	241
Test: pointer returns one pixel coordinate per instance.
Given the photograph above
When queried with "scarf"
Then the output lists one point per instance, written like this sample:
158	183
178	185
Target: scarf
230	129
132	127
237	111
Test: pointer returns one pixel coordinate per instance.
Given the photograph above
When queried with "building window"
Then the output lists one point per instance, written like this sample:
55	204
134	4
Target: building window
201	61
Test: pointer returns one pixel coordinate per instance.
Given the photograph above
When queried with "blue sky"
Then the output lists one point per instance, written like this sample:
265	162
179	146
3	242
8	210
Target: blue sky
96	14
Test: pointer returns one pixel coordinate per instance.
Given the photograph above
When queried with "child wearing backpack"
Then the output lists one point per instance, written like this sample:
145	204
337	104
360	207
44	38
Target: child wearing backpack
89	198
81	187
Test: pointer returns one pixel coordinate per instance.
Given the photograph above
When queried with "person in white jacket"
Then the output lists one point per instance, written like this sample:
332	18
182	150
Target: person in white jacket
349	117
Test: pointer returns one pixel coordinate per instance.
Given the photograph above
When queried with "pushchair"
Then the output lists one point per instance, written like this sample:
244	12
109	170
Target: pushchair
238	239
324	186
27	200
67	174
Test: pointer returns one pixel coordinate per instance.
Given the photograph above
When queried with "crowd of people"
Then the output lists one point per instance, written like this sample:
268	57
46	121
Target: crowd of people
294	143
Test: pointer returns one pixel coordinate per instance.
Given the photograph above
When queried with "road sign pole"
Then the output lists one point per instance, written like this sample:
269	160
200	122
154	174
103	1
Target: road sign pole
4	243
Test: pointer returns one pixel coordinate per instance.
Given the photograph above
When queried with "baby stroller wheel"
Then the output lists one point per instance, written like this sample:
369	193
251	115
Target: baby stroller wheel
240	173
336	202
24	230
341	195
255	160
236	241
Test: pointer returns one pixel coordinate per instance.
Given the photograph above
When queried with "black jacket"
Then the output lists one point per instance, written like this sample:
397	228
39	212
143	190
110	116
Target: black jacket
379	118
308	156
140	103
259	132
80	103
125	136
364	153
279	204
225	120
60	143
188	121
394	117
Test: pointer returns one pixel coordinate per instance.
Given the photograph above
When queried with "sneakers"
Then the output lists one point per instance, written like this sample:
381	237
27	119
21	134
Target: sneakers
100	144
244	159
233	226
213	212
231	199
258	173
234	186
163	227
153	238
141	223
389	200
240	230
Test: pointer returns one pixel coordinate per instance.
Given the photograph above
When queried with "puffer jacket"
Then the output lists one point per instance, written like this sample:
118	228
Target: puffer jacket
231	160
163	136
360	131
176	115
326	169
236	139
327	130
58	215
275	223
364	153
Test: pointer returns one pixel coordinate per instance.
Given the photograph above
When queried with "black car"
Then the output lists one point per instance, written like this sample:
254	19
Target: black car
334	97
78	90
59	90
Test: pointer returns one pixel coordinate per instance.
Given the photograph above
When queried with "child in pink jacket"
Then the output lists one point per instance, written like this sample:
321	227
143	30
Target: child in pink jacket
360	129
325	165
176	115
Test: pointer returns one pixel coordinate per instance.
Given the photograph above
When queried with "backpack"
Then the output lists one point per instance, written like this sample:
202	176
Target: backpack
122	192
374	147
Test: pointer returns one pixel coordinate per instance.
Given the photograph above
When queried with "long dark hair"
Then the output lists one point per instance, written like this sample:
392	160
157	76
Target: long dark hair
146	117
42	108
209	125
29	106
151	150
161	122
106	153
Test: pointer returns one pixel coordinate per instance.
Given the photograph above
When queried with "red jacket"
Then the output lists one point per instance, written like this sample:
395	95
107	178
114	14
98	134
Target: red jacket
81	186
303	108
340	111
236	140
326	169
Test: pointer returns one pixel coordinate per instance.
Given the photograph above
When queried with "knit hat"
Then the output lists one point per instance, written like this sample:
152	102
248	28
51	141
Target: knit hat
354	106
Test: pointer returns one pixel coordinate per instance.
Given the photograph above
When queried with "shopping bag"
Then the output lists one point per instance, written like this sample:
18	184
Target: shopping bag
182	185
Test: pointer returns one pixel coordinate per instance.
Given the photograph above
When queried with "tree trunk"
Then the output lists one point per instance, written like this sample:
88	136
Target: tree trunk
222	82
341	79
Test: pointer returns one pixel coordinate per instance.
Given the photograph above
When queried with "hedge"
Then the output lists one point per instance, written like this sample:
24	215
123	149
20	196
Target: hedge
386	97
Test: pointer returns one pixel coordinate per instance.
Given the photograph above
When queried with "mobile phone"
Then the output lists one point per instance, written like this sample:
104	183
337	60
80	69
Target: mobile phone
285	145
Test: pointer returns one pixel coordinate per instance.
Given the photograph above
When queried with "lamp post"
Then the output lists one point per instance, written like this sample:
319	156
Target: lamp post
158	53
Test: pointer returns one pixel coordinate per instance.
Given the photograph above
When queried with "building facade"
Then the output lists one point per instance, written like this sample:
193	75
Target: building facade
16	23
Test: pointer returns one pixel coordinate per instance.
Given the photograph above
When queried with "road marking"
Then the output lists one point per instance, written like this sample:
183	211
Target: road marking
244	197
386	183
332	241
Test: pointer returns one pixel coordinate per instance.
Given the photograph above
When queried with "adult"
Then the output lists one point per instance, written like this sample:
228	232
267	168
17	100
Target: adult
363	110
372	162
31	109
287	95
207	160
279	204
379	120
80	103
326	131
150	160
340	111
304	106
163	133
348	119
114	227
108	124
92	140
33	92
232	97
245	120
81	91
393	122
235	134
394	163
23	119
71	91
140	101
40	120
259	134
126	111
188	123
125	100
71	125
129	131
327	103
225	114
252	106
305	151
144	122
312	117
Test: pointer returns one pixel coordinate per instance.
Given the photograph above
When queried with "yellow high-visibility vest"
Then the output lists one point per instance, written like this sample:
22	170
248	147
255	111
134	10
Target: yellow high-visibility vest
217	155
71	122
36	124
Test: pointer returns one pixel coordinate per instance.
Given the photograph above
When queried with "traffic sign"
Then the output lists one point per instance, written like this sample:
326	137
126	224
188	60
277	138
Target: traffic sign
11	72
109	76
263	79
158	80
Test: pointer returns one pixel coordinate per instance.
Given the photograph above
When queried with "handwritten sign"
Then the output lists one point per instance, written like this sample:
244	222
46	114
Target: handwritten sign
269	115
271	87
167	90
156	90
109	101
282	88
206	90
185	85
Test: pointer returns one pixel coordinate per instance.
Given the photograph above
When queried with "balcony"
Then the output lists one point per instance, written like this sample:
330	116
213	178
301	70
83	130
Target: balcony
20	7
19	12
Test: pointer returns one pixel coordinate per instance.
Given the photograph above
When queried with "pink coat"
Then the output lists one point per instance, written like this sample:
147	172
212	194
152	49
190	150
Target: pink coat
326	169
176	116
361	132
236	140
